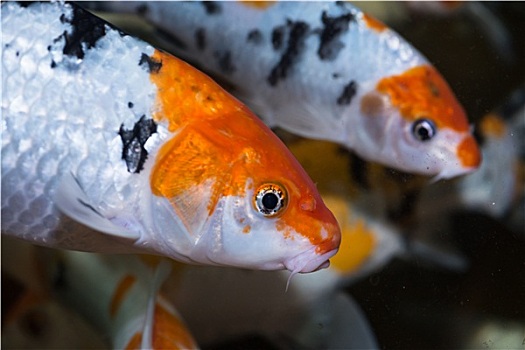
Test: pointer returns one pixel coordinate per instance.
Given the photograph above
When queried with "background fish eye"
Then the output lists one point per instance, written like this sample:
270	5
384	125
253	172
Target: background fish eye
270	199
423	129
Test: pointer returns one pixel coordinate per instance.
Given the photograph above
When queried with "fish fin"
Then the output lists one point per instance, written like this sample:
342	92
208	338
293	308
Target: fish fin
160	275
71	200
194	182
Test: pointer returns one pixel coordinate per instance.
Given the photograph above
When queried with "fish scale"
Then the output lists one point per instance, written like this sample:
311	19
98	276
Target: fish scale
81	148
103	137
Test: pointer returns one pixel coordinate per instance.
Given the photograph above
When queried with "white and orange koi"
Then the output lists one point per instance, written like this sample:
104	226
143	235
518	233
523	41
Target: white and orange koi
121	297
105	298
325	70
143	153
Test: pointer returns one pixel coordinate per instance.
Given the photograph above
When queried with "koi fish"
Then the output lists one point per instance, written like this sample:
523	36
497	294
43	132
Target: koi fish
118	296
110	145
121	296
325	71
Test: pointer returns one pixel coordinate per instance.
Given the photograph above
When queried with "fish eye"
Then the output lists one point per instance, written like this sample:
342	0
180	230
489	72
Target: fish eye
423	129
270	199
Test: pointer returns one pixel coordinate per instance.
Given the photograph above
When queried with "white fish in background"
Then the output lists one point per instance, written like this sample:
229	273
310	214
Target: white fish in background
67	299
120	295
325	70
144	149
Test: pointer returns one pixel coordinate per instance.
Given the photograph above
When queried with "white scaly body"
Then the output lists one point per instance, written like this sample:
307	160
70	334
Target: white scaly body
65	119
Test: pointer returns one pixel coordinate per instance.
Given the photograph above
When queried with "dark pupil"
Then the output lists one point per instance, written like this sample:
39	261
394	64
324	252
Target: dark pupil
270	201
424	130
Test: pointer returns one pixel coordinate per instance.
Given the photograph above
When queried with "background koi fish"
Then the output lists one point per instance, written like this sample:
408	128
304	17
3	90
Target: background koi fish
325	71
150	153
95	300
121	296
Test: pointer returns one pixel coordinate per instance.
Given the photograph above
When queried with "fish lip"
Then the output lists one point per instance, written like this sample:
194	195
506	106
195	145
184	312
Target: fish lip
309	261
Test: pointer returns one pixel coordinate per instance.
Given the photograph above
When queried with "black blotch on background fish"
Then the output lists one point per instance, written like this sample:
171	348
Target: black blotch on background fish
295	45
152	65
133	151
211	7
254	36
334	27
200	38
224	60
278	37
348	93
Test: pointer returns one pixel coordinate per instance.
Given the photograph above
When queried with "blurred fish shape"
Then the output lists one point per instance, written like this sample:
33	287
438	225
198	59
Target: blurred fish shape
143	153
120	295
325	70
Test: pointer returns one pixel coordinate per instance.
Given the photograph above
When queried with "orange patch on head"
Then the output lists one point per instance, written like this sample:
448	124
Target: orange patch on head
421	92
123	287
374	23
493	126
260	5
468	152
219	141
169	332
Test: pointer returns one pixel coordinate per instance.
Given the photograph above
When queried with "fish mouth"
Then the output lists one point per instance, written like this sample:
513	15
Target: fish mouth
309	261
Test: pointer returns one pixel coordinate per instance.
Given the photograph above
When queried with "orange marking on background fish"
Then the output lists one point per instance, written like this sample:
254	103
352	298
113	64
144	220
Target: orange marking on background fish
124	286
135	341
206	117
260	5
468	152
169	332
422	92
492	125
374	23
358	245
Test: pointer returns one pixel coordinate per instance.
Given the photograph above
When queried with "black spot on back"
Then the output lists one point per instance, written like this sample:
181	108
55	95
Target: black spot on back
278	37
133	141
224	60
348	92
254	36
87	30
212	7
130	104
150	64
334	27
200	38
295	45
26	3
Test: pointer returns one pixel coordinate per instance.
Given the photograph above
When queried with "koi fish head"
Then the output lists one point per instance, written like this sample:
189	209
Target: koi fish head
226	191
415	124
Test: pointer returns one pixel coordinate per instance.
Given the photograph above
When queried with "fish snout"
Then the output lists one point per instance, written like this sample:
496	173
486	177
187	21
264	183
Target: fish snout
318	256
309	261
